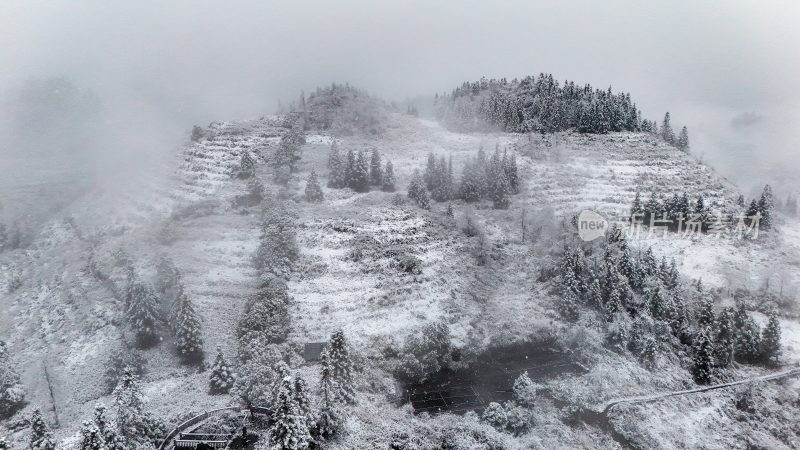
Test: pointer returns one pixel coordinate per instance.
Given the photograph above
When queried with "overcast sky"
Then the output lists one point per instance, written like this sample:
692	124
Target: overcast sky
708	62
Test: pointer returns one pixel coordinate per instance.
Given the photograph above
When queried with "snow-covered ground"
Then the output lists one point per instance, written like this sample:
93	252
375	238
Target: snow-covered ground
64	317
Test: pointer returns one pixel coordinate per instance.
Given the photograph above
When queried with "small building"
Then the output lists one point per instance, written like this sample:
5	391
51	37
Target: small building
312	351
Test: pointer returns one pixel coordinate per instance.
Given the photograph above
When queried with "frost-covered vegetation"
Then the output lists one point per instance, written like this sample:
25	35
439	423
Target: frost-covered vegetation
411	254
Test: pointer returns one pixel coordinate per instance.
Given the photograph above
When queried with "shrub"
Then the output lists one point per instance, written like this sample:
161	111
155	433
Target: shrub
426	351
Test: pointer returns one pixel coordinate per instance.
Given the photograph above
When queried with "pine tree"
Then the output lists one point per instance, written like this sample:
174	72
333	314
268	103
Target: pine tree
304	403
3	443
132	422
375	172
91	439
636	207
524	390
330	417
683	140
359	174
186	329
648	263
337	177
512	174
500	199
702	358
705	311
142	314
417	191
649	354
12	394
666	130
341	366
595	294
107	430
288	153
278	249
388	178
430	168
41	438
568	306
626	268
771	340
746	344
724	340
289	430
221	379
313	190
247	166
765	207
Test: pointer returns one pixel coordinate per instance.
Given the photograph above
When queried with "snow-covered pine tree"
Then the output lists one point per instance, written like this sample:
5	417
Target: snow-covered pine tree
724	339
91	439
331	416
510	168
313	190
771	341
740	201
430	169
186	329
525	390
289	150
220	381
41	438
289	430
133	423
683	140
648	262
594	295
441	182
337	177
500	198
3	443
107	429
375	171
350	168
388	178
12	394
702	358
636	206
666	130
341	365
304	403
626	267
656	301
247	166
278	249
255	376
766	205
705	309
747	337
359	180
417	192
568	306
142	313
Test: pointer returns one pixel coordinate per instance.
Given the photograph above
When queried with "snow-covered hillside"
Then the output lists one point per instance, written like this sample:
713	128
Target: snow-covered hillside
59	314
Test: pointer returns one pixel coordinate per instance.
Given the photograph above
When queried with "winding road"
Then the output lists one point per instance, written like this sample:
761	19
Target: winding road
609	405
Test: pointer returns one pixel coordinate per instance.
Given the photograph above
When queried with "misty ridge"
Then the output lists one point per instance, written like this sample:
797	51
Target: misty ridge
401	226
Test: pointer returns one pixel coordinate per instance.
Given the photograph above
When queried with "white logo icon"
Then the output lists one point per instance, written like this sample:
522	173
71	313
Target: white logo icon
591	225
